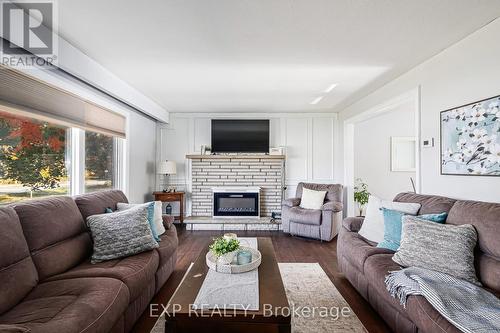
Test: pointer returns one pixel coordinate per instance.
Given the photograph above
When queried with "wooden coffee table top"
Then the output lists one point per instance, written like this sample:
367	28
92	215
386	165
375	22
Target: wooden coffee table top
271	292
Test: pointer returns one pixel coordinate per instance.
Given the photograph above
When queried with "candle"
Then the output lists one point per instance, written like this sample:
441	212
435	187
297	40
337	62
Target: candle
230	236
244	257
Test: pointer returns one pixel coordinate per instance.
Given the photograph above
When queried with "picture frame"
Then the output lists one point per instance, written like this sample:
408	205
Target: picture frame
470	139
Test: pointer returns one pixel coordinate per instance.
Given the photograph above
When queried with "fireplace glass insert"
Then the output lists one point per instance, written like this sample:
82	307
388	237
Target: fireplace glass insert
236	204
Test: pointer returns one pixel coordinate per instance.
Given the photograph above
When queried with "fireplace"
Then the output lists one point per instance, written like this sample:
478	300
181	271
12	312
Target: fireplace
236	202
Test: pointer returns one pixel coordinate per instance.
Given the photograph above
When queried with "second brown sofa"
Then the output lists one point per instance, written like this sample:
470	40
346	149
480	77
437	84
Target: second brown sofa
366	265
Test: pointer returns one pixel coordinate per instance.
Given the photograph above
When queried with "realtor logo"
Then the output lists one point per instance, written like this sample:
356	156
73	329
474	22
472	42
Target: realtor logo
28	32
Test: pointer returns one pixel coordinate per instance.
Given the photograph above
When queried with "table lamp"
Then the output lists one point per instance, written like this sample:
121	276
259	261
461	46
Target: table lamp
167	168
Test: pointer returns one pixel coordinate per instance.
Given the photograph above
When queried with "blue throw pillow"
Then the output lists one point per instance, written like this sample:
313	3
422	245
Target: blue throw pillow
151	220
392	229
393	224
438	218
108	210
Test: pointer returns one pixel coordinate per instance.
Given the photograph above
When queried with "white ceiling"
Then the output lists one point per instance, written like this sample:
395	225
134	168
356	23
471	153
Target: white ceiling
265	55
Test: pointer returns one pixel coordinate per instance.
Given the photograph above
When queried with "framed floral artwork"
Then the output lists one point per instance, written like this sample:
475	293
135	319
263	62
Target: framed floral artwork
470	139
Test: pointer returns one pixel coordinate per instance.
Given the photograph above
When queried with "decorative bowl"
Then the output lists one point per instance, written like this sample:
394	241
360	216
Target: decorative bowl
232	267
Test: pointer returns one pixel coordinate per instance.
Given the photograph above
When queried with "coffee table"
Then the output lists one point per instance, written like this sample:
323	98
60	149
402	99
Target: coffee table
272	317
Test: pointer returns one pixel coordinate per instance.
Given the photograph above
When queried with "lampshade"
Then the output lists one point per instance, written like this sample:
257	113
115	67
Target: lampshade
167	168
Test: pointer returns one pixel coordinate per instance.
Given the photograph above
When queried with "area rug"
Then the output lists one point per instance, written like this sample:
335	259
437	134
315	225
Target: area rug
316	304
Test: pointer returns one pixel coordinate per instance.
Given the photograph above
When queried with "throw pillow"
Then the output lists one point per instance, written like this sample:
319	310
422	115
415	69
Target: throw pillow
372	228
121	234
312	199
440	247
392	229
151	212
108	210
393	221
158	216
438	218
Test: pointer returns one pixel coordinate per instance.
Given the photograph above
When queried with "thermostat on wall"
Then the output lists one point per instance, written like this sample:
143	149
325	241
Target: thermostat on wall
427	142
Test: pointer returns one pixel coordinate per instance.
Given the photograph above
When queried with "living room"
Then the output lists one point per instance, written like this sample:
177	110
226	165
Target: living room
262	166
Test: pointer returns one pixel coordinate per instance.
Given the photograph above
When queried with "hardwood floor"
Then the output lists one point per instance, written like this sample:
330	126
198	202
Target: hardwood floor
288	249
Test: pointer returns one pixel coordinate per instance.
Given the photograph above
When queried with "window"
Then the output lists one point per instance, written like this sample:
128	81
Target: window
55	142
40	158
100	161
33	158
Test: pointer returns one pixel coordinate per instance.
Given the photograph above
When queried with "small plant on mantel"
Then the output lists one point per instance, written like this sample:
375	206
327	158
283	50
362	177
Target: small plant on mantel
224	249
361	194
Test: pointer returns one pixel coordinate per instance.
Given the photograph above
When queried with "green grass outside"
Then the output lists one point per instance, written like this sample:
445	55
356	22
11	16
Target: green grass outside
6	198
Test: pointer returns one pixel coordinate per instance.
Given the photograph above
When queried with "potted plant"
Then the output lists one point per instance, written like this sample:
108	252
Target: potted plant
225	249
361	194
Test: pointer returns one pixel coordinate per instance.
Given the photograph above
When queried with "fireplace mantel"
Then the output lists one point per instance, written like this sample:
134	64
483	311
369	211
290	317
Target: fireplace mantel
246	156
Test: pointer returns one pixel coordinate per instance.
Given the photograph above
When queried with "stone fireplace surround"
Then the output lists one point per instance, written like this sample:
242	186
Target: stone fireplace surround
209	171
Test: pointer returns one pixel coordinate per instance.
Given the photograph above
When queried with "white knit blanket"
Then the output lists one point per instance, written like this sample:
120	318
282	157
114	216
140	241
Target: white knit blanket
467	306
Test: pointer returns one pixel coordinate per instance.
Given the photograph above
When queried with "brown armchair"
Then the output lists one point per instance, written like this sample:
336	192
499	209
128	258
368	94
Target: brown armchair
321	223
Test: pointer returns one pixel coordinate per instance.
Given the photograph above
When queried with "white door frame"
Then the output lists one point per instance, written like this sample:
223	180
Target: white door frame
412	96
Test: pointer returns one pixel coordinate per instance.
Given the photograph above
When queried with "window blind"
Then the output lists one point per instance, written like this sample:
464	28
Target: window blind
23	94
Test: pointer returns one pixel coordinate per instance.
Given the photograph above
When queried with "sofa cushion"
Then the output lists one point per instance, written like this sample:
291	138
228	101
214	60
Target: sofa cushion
358	249
430	204
55	232
485	217
97	202
426	317
18	274
376	268
305	216
135	271
14	329
168	245
74	305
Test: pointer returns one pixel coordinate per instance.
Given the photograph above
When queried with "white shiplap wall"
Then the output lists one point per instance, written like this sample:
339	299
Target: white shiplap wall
309	139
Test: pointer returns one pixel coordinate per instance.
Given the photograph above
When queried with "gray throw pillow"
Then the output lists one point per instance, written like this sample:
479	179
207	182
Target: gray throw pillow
440	247
121	234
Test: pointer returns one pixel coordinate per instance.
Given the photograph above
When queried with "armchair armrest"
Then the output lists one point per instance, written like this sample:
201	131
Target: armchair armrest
333	206
353	223
291	202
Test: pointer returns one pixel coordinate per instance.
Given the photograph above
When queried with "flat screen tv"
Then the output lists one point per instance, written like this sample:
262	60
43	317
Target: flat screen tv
240	136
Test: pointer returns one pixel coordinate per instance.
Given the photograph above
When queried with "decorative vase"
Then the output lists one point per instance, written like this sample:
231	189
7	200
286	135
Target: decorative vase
227	258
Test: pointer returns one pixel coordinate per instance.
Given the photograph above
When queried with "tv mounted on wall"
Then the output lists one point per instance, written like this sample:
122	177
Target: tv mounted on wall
240	136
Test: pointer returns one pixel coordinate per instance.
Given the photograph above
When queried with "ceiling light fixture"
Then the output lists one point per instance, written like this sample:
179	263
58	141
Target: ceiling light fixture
330	87
316	100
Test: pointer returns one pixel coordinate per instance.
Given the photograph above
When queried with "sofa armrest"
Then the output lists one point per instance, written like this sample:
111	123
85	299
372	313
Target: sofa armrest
291	202
332	206
353	223
168	221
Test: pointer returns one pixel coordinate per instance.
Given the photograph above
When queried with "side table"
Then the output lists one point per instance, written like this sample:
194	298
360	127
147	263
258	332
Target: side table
172	197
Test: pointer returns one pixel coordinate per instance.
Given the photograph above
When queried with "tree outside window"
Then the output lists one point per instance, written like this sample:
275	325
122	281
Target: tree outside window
99	162
32	158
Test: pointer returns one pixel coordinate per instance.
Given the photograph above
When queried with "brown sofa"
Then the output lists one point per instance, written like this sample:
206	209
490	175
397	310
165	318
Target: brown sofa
366	266
47	281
